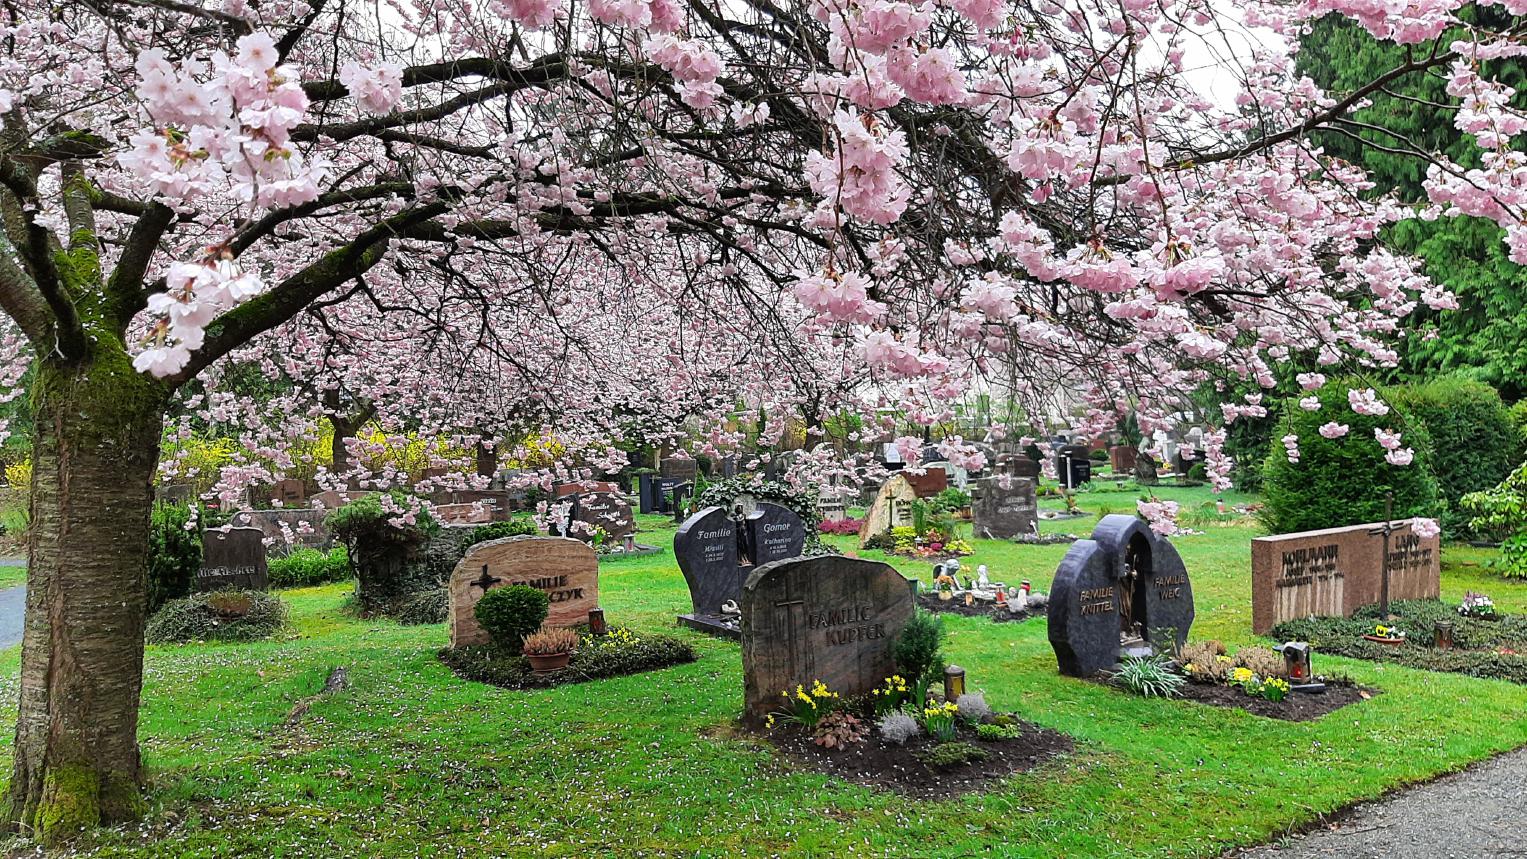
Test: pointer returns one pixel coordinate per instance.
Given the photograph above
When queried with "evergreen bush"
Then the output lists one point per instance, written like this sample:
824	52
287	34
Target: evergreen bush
381	549
304	568
508	614
1474	443
217	616
918	650
1344	481
174	553
516	527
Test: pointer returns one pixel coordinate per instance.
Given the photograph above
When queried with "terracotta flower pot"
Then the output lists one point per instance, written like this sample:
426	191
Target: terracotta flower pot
544	663
1389	641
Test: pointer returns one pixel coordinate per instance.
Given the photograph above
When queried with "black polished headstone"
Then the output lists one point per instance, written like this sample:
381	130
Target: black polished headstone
777	533
1124	577
1076	457
716	550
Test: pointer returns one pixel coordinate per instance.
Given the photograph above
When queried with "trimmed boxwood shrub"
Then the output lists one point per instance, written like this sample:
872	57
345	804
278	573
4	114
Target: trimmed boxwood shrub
508	614
217	616
620	655
1343	481
1474	444
305	568
174	553
516	527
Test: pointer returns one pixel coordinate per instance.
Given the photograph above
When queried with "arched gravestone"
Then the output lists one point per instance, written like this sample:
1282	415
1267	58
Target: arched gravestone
716	551
1123	581
826	618
565	569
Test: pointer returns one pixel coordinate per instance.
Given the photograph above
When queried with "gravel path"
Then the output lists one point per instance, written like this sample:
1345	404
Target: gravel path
1468	815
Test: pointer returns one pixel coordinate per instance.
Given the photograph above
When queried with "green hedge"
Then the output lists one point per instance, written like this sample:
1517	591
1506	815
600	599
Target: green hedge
1344	481
1474	443
305	568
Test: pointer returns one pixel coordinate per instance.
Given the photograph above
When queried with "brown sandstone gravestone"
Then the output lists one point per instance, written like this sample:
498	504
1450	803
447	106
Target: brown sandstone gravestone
1335	571
892	508
233	558
826	618
567	570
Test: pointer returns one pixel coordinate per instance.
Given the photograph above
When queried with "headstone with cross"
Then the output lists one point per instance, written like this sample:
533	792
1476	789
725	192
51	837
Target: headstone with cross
717	549
826	618
565	569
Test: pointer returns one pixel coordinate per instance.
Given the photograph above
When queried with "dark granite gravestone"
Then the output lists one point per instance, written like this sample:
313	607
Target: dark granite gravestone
1017	465
175	493
1074	458
1125	582
716	551
680	468
826	618
602	510
1003	513
233	558
1033	451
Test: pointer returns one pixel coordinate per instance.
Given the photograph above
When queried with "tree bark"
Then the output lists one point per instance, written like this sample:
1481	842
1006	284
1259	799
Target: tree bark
95	449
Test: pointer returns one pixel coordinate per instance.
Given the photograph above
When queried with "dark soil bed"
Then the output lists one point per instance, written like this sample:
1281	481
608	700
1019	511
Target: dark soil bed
495	666
931	602
878	764
1297	707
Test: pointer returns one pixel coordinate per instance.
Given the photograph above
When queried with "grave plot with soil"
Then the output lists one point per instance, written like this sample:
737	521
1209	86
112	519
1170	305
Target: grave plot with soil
616	653
1470	638
998	613
933	754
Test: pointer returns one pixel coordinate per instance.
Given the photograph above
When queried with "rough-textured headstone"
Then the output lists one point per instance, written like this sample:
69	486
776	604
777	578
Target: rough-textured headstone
1335	571
1003	512
1123	581
1074	457
827	618
289	493
605	510
679	468
304	525
567	570
892	508
233	558
1017	465
330	500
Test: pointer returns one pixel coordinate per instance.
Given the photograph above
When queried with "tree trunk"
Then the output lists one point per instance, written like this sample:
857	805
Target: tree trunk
95	449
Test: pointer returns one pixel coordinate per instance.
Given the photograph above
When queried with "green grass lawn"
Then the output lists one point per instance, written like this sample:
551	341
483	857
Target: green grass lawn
411	761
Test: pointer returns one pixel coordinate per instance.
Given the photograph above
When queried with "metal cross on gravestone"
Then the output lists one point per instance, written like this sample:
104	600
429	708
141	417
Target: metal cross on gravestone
485	581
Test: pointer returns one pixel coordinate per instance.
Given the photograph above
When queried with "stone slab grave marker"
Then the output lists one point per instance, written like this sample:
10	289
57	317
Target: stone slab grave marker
1117	592
827	618
304	524
233	558
892	508
289	493
565	569
1335	571
716	551
601	510
1080	466
1017	465
680	468
1004	513
1123	458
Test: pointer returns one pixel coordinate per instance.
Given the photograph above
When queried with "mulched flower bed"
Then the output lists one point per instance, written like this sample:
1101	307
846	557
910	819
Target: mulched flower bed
618	654
1297	707
998	614
876	763
1044	539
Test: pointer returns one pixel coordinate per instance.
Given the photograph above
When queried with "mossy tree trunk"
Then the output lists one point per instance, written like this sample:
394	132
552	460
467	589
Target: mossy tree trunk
95	449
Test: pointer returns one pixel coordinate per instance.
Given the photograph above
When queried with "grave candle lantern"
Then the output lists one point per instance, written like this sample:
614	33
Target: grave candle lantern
630	543
1444	635
1296	660
954	683
596	621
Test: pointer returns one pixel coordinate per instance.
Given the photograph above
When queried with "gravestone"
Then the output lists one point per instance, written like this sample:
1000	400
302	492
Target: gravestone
565	489
1018	465
1072	467
289	493
1002	513
175	493
1123	458
331	500
1335	571
679	468
827	618
565	569
233	558
462	514
928	484
716	551
1117	593
602	510
892	508
306	526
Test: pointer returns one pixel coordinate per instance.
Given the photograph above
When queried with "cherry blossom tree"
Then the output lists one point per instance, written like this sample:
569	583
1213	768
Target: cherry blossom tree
898	198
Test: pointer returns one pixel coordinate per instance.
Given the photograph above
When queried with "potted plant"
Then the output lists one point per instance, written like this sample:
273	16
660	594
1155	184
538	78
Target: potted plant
1386	635
549	649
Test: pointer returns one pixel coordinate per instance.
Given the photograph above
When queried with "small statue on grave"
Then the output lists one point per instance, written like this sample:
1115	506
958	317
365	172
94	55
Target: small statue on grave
1127	627
731	609
745	547
982	580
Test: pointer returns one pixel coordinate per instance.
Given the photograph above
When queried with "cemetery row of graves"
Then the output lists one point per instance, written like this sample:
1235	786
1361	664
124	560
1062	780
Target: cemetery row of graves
956	663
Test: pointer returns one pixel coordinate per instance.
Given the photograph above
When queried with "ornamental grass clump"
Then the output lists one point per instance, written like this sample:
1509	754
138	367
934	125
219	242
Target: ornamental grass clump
946	755
1149	676
1205	661
549	642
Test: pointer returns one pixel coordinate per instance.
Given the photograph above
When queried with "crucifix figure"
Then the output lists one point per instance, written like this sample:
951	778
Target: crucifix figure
1389	527
484	581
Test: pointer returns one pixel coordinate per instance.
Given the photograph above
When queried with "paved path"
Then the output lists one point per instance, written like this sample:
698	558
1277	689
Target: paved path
1473	814
13	603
